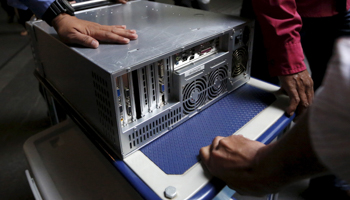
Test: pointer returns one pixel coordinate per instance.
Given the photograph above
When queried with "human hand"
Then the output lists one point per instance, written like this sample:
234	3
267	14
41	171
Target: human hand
299	88
116	1
120	1
72	30
233	160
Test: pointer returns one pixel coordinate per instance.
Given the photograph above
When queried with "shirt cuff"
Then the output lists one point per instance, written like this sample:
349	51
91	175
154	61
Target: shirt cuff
286	60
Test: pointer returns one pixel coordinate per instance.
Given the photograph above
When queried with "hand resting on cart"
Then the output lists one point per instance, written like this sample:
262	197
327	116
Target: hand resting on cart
252	168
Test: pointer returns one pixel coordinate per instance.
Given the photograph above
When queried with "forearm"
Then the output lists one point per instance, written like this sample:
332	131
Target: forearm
280	24
291	158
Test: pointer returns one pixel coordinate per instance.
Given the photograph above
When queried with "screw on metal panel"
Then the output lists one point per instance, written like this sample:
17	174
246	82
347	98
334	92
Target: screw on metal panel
231	37
170	192
135	128
233	30
128	69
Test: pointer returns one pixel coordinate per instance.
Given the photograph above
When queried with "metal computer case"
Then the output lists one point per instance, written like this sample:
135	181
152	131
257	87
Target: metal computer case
183	61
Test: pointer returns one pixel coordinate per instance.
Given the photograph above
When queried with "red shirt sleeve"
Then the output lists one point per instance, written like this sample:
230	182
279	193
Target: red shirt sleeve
280	24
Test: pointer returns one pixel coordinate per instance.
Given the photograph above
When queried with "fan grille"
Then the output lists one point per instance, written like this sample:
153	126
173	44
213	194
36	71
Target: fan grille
217	82
194	95
239	61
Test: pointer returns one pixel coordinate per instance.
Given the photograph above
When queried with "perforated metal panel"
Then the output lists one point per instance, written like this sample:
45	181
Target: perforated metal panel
150	130
178	150
104	106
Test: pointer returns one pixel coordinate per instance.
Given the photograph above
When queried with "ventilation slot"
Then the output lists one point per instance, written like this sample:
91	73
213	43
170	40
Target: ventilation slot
142	94
144	85
147	132
168	74
103	107
152	83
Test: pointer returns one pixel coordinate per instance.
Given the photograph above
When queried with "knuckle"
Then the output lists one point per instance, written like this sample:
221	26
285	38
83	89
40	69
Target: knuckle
223	143
217	138
201	151
86	40
215	155
296	99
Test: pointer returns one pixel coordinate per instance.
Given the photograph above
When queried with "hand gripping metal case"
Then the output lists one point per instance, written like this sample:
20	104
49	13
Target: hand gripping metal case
183	61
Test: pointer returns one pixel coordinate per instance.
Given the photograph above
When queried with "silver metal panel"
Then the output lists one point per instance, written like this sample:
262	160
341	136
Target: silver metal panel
162	29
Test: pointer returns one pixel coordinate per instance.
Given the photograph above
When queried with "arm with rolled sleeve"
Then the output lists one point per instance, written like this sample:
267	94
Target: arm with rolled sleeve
280	24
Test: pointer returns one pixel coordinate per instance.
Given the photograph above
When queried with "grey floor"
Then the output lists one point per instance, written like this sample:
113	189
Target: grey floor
23	112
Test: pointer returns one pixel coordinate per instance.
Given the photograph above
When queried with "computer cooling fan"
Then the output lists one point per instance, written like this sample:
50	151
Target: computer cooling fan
217	82
239	61
194	95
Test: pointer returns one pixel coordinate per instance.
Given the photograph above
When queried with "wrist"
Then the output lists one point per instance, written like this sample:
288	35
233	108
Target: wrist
56	8
267	170
61	17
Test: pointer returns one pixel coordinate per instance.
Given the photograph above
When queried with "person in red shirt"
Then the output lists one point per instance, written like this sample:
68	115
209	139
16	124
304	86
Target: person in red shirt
291	27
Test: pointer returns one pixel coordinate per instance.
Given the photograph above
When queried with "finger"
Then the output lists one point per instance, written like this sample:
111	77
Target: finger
119	30
131	34
293	102
120	26
309	88
204	153
119	36
119	1
109	28
123	1
306	92
84	40
304	103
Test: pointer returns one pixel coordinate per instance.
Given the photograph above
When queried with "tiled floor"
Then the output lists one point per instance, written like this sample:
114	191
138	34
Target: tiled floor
23	111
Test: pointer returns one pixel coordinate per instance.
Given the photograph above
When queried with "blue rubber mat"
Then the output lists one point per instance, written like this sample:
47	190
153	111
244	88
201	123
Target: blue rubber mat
178	150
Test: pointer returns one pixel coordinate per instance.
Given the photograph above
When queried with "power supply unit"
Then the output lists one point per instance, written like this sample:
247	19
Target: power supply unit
184	61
